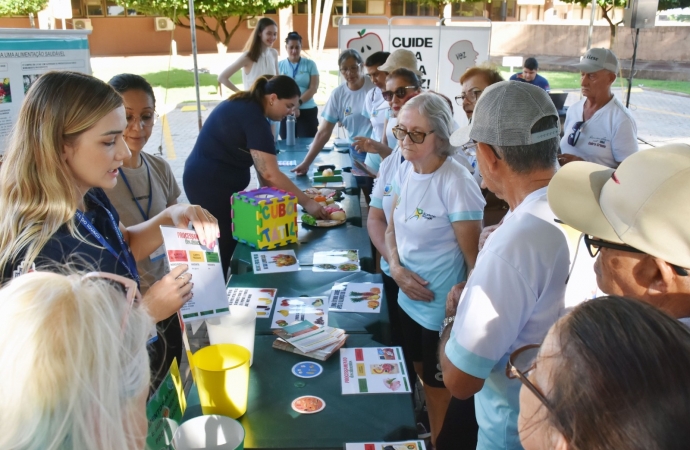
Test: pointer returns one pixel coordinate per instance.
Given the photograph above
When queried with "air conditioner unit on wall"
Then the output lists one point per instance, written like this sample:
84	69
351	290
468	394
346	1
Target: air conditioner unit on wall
335	20
251	23
82	24
164	24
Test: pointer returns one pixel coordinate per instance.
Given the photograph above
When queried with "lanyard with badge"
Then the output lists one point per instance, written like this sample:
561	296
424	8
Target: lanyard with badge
127	260
295	69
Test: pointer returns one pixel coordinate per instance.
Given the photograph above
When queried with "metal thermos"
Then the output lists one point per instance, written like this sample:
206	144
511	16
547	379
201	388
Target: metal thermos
290	130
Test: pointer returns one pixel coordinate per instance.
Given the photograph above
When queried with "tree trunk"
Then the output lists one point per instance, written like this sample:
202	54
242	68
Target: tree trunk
612	26
222	48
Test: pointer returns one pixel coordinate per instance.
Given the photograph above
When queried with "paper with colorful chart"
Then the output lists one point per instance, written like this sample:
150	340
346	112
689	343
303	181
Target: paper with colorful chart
336	261
297	309
209	300
373	370
356	297
260	299
275	261
405	445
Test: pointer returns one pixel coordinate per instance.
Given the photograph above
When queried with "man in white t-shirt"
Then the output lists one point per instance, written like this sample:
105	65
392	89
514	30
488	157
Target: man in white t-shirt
516	291
635	219
598	128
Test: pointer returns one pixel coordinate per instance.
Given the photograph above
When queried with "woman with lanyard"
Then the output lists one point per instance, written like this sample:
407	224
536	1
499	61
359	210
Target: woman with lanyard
259	57
432	236
304	72
145	187
344	106
235	137
66	147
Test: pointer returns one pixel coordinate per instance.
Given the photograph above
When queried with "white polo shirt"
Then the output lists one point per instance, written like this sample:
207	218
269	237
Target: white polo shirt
514	295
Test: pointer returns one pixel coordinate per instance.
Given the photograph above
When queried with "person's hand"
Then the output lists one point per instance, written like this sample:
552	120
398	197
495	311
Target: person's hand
484	235
412	284
566	158
296	112
453	298
168	294
365	144
301	169
205	225
316	210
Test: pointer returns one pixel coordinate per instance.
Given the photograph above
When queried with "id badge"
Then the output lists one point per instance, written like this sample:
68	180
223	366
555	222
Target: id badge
157	254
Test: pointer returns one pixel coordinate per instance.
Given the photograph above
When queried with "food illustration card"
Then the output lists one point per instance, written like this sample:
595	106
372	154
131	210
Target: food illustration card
356	297
260	299
289	310
336	261
209	300
275	261
407	445
373	370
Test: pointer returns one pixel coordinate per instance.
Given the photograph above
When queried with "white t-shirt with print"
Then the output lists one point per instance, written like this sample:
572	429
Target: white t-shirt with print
374	159
607	138
382	193
515	294
375	109
427	206
346	106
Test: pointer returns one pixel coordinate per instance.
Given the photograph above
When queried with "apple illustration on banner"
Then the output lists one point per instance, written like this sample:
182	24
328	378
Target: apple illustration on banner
462	56
366	43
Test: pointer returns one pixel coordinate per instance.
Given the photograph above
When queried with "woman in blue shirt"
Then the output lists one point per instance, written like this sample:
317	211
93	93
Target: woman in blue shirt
306	75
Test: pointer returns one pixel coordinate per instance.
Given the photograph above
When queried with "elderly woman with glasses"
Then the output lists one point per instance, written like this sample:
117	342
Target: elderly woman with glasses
432	236
613	374
344	106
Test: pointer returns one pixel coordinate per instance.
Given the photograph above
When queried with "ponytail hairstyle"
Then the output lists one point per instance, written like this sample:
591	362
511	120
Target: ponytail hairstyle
280	85
38	194
254	45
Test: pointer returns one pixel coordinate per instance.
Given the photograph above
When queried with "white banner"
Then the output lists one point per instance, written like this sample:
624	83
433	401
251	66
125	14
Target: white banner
423	41
365	38
25	54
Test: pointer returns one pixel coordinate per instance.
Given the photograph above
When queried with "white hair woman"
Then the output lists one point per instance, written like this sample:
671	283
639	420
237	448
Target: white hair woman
432	236
74	371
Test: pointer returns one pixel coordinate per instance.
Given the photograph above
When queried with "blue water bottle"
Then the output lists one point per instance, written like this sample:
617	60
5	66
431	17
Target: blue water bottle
290	130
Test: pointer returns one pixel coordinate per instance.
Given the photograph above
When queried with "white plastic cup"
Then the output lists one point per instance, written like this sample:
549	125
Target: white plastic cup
238	327
209	432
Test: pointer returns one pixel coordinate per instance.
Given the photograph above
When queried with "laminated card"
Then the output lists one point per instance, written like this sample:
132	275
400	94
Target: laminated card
261	299
373	370
356	297
289	310
406	445
183	247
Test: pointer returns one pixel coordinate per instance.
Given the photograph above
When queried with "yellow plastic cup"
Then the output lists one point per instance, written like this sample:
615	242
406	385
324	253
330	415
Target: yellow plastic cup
222	378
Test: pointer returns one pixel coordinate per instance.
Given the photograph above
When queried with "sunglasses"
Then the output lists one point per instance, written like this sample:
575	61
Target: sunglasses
472	95
594	246
127	286
520	363
575	134
415	136
401	92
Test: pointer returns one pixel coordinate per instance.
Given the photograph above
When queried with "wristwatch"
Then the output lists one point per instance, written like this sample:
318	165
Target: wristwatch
447	321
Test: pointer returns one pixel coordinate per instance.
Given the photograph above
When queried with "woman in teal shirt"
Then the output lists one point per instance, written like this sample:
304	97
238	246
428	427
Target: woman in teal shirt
305	73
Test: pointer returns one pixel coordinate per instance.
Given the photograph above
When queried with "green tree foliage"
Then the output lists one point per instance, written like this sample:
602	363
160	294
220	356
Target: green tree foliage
21	7
211	15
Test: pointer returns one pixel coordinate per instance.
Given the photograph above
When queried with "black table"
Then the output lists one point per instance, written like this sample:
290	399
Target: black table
319	284
271	423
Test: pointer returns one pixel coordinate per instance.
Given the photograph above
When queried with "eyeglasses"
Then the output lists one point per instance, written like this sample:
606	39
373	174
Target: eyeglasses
472	95
415	136
145	120
520	363
353	69
470	148
575	134
401	92
594	245
131	290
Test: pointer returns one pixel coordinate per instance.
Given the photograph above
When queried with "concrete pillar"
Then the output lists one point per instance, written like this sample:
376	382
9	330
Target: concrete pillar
284	27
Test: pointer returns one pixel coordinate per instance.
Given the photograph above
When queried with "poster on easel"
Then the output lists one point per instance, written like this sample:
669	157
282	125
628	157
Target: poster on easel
26	54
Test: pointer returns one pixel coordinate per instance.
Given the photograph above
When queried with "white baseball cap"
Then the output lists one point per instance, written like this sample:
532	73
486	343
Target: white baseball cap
597	59
643	203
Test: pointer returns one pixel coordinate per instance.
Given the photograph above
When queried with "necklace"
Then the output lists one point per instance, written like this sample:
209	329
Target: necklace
407	188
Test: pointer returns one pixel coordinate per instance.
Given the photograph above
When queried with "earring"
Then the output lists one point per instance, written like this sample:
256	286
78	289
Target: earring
271	103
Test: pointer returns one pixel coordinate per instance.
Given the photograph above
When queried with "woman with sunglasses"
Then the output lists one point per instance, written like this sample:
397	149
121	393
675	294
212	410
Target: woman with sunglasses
345	106
65	149
432	236
306	75
74	366
612	374
145	187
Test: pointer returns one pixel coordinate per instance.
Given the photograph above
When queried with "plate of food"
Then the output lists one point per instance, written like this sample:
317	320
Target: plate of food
336	217
325	195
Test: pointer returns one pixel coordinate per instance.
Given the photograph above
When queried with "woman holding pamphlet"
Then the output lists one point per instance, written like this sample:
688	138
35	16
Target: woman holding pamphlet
145	187
74	364
65	149
432	236
235	137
